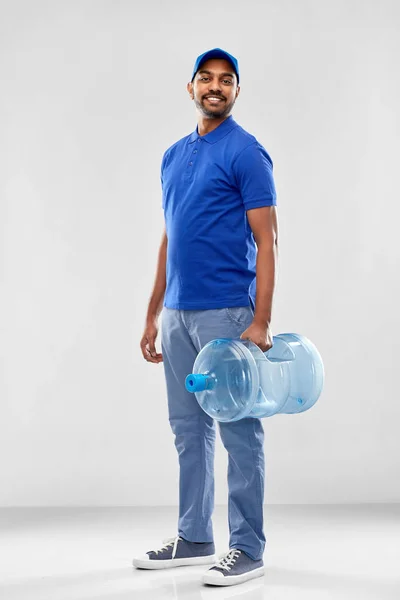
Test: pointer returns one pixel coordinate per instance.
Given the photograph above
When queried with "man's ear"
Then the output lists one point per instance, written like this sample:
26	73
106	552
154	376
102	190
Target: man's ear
189	88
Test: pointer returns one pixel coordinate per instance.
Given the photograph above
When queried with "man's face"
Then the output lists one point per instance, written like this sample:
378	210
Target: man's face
214	88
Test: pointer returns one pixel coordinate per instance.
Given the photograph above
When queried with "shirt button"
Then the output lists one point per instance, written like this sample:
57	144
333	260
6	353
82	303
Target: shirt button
198	139
194	151
190	164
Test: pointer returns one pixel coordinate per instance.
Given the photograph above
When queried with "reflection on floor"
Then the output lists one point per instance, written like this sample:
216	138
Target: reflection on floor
325	552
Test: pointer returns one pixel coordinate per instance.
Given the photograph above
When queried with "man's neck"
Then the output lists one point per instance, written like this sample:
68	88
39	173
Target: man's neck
206	125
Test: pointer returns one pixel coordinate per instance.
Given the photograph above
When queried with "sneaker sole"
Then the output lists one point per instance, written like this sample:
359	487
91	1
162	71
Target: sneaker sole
212	579
174	562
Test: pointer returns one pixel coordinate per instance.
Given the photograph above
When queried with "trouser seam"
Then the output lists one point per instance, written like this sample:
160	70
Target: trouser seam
202	461
258	489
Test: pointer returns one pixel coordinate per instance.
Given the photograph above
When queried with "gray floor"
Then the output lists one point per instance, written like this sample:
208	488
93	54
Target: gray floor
313	552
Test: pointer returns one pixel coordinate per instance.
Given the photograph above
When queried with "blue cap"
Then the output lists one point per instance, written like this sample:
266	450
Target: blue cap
216	53
196	383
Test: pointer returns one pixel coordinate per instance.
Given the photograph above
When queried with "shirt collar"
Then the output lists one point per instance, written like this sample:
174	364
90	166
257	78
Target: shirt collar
217	134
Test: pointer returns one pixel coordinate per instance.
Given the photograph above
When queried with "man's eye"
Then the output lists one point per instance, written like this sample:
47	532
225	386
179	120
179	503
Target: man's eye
226	81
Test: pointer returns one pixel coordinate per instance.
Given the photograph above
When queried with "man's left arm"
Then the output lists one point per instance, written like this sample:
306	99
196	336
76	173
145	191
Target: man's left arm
264	224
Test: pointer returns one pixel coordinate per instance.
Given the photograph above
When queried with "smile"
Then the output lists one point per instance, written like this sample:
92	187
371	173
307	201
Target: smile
214	100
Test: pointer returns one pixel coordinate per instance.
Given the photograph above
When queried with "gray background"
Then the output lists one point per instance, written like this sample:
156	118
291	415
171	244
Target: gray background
92	93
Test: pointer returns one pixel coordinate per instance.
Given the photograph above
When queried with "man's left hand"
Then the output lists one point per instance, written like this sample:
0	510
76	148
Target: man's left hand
259	334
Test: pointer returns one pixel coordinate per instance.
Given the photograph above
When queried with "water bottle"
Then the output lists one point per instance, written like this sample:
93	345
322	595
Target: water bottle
234	378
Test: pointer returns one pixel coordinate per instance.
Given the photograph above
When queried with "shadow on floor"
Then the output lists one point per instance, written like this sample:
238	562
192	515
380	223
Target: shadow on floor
185	584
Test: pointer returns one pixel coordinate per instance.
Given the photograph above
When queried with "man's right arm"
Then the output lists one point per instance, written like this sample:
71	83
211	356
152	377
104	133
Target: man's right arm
155	306
160	283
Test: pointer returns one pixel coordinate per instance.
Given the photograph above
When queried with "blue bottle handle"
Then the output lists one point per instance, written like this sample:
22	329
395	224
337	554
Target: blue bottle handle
280	351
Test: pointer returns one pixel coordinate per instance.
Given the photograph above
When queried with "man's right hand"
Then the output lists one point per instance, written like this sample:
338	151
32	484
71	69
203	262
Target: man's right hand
147	343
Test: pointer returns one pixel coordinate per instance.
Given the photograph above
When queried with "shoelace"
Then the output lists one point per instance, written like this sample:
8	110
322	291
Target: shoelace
167	543
226	561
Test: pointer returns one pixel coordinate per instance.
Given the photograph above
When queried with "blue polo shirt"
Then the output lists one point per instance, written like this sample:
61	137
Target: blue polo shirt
208	183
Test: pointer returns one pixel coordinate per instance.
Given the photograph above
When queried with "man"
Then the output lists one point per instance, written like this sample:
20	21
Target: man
219	203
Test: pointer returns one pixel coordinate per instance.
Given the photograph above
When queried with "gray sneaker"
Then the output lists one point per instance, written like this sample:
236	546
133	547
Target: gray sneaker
234	567
177	552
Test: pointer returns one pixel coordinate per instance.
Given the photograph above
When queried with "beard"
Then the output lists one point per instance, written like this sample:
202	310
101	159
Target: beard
215	113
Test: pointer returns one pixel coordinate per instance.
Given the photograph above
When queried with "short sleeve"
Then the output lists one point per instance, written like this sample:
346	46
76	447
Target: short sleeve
162	168
253	172
161	178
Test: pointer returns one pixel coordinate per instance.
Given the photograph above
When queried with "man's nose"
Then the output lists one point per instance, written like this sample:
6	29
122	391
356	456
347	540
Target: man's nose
215	89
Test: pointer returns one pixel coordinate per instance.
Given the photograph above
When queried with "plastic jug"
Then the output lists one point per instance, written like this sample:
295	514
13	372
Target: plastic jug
234	378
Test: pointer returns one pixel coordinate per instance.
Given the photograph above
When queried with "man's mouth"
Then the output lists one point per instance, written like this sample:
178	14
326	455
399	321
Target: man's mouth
214	99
